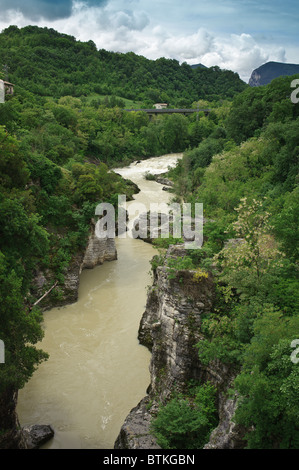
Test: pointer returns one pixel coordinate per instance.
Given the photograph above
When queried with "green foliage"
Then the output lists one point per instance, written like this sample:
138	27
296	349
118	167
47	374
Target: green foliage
246	262
164	243
247	180
177	264
60	136
268	384
19	330
44	173
257	106
150	177
186	422
23	242
52	64
156	261
70	117
13	169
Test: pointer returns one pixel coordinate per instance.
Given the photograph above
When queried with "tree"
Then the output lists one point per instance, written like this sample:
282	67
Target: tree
247	261
186	423
285	225
269	384
174	133
19	330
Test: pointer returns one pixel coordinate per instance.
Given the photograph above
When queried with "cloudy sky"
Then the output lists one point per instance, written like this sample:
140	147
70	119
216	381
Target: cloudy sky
239	35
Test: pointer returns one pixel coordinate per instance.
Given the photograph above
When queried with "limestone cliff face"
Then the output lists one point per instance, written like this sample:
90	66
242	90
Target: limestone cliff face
227	435
97	251
255	79
170	328
271	70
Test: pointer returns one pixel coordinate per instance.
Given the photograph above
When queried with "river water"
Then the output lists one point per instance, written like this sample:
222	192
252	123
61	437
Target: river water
97	370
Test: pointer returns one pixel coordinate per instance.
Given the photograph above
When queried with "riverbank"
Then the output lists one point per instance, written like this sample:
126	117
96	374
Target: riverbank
170	329
97	370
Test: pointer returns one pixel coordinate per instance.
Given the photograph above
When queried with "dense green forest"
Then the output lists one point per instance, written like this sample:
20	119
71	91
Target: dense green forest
55	155
49	63
246	175
62	131
69	98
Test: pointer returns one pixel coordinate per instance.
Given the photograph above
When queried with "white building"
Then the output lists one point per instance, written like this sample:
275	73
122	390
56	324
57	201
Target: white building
160	105
6	88
2	91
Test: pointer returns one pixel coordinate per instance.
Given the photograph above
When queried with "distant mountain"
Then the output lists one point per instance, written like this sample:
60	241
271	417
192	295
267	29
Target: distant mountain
267	72
195	66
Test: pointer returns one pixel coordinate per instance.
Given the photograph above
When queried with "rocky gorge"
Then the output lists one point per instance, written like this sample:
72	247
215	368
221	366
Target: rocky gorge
96	252
91	328
170	328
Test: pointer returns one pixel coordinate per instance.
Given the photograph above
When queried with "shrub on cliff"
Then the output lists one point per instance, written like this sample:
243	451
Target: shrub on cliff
186	422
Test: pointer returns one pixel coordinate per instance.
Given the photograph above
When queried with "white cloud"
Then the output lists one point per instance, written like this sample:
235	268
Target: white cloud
130	20
189	47
242	54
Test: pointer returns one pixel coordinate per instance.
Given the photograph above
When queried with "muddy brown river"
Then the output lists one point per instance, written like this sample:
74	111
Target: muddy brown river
97	370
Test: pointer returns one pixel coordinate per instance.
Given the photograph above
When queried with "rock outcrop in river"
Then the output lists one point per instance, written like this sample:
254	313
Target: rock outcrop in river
170	328
12	435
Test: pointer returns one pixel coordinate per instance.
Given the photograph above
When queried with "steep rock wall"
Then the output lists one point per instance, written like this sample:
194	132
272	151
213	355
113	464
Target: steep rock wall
170	328
97	251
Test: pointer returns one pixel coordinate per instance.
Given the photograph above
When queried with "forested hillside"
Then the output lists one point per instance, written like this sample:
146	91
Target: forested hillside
65	128
69	99
60	133
246	175
49	63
